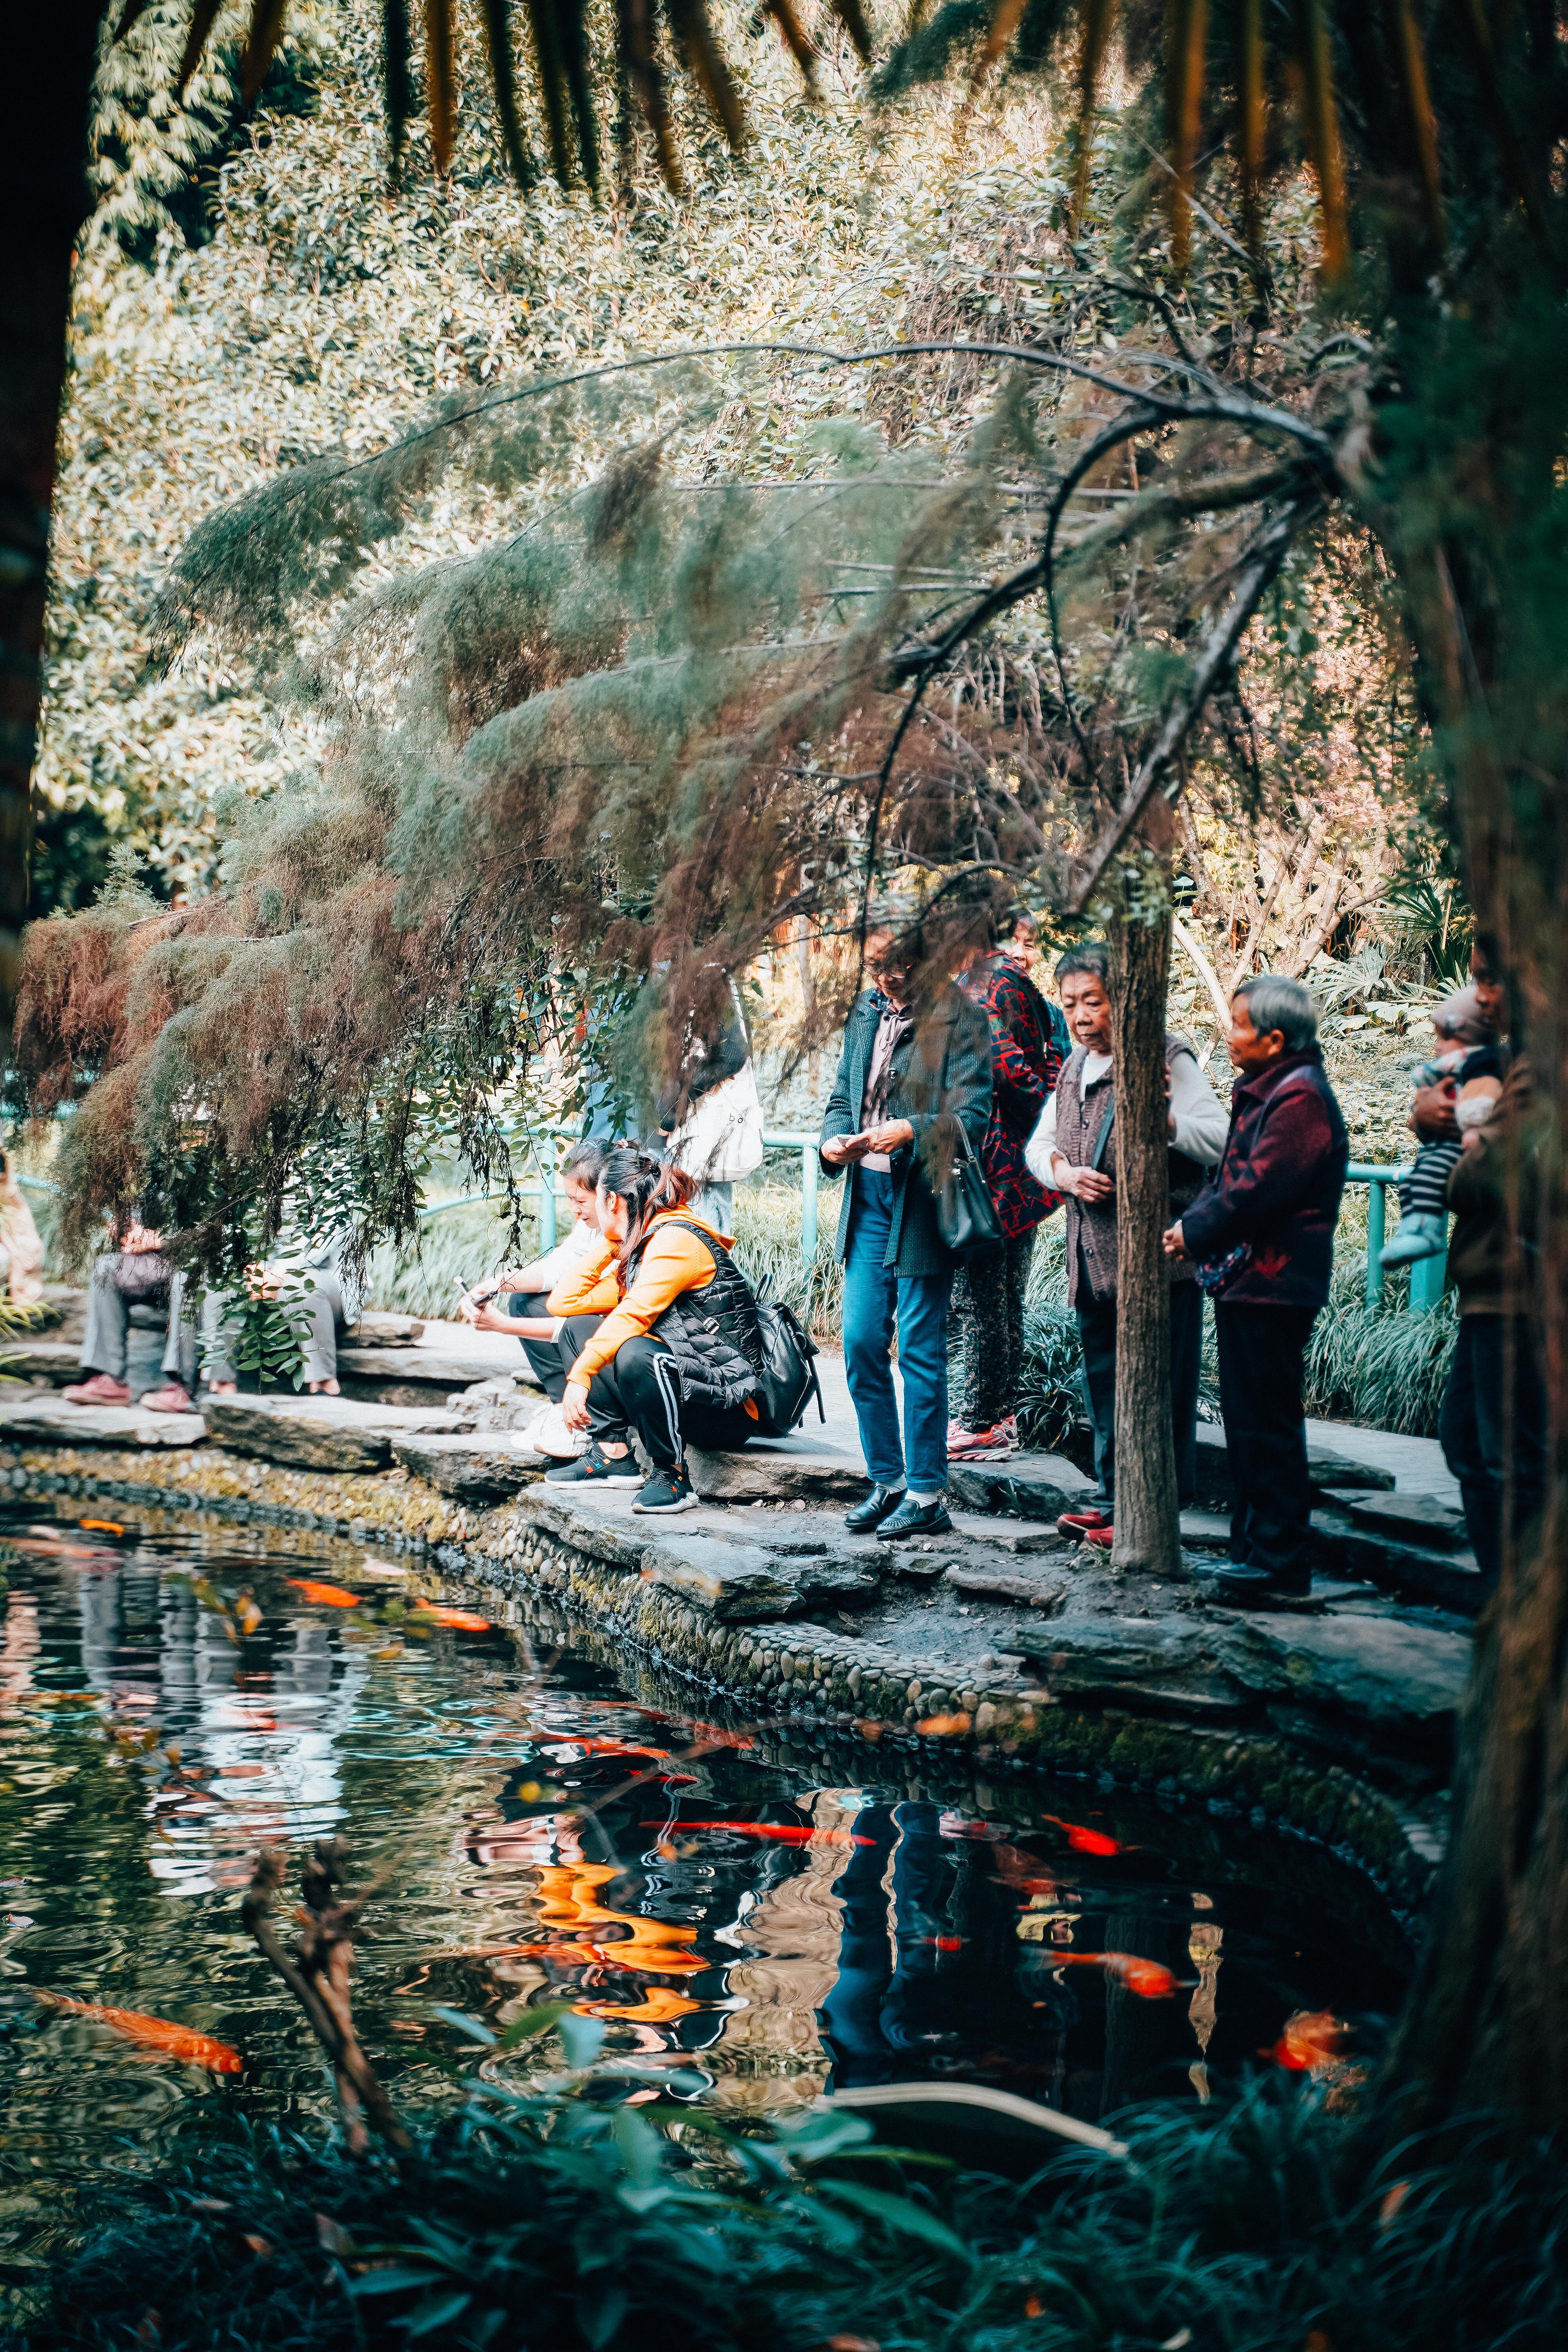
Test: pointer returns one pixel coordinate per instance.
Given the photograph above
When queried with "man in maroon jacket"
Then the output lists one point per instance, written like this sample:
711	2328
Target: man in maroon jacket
1262	1231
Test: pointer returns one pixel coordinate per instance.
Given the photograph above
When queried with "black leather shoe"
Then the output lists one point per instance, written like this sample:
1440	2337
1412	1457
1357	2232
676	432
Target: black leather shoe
1254	1588
913	1518
873	1510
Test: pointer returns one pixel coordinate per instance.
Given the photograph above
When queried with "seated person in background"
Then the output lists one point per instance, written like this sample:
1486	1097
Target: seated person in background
21	1251
135	1273
661	1336
329	1307
1467	1069
518	1303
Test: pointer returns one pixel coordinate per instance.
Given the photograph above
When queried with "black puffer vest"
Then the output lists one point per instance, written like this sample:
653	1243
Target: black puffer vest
713	1333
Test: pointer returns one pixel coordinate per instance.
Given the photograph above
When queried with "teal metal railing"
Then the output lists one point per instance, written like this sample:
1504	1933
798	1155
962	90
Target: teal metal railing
550	1199
1428	1276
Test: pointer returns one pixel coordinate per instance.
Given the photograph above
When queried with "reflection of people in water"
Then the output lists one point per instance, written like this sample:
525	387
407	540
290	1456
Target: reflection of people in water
928	1967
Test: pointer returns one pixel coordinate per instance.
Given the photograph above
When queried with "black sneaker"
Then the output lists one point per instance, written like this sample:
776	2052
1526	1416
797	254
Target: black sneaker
668	1491
913	1518
595	1468
878	1505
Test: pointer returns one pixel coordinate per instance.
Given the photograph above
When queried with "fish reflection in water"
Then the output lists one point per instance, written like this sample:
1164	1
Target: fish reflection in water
670	1877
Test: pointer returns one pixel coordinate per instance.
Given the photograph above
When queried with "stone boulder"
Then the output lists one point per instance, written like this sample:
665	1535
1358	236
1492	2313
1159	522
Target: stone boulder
316	1433
1038	1487
470	1469
787	1472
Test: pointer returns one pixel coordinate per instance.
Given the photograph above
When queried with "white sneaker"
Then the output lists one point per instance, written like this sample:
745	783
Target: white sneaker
549	1435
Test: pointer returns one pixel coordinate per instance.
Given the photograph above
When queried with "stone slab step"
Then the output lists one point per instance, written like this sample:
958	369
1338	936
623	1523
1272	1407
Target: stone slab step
54	1361
1425	1519
1022	1485
1383	1672
37	1418
786	1471
1030	1588
734	1575
1410	1571
1017	1535
318	1433
471	1469
1325	1467
1205	1528
374	1330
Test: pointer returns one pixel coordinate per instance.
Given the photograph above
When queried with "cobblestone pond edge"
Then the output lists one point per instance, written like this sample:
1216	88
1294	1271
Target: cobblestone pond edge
816	1684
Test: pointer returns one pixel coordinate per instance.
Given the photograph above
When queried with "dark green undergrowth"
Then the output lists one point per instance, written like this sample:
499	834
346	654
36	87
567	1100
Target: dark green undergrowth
518	2224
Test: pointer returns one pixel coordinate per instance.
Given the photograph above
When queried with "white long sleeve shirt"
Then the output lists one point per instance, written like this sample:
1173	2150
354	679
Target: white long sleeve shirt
1202	1120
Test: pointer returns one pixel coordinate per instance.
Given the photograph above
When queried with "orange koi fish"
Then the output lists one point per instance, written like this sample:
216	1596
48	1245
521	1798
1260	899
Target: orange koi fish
176	2041
659	2006
328	1596
708	1735
656	1946
462	1621
1085	1841
780	1832
1312	2039
1148	1978
104	1526
605	1748
943	1727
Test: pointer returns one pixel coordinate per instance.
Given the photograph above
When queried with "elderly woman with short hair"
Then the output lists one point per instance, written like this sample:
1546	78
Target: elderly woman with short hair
1262	1232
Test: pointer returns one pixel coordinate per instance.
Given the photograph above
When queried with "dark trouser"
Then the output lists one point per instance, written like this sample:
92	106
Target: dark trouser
1260	1356
1097	1328
1474	1431
1425	1191
985	1334
639	1390
544	1355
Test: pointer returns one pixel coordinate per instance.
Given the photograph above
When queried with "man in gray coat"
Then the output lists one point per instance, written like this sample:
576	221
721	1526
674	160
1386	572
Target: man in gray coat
915	1068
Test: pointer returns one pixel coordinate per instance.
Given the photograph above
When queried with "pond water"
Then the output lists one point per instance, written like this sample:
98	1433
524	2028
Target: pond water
545	1821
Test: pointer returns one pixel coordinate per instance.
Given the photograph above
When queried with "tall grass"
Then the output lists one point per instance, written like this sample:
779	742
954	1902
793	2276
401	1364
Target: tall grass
588	2226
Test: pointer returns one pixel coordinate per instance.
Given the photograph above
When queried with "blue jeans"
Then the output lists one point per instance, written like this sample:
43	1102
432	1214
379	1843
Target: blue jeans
873	1295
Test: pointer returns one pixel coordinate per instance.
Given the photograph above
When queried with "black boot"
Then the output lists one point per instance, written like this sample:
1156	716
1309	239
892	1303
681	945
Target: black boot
878	1503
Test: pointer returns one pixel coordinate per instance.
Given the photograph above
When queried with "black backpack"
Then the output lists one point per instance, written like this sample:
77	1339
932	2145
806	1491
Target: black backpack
788	1380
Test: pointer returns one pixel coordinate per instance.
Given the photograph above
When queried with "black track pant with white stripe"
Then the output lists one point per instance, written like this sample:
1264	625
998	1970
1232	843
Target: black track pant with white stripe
639	1390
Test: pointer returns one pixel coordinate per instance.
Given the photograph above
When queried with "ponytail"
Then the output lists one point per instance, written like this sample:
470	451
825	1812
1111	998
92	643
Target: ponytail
647	1186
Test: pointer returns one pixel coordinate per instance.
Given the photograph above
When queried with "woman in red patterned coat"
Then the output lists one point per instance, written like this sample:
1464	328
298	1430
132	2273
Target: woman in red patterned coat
986	1341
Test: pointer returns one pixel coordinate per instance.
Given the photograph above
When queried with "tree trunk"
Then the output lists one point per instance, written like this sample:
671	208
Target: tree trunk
1147	1531
44	100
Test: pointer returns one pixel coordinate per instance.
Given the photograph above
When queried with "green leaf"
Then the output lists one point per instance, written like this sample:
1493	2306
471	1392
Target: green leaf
431	2315
581	2038
390	2282
642	2150
465	2024
532	2020
899	2213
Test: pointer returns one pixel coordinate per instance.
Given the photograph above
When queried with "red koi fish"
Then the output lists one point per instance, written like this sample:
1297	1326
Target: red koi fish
608	1748
104	1526
781	1833
1312	2039
462	1621
176	2041
327	1596
1148	1978
1086	1841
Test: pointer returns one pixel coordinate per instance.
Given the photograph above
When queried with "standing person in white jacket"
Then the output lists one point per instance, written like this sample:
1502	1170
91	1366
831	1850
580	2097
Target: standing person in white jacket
719	1138
1073	1152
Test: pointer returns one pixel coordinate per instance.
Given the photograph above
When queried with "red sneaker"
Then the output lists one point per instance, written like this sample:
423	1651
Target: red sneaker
1101	1538
101	1389
1078	1523
172	1399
